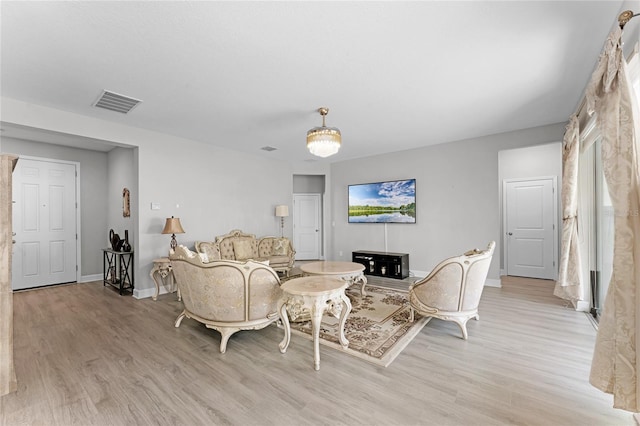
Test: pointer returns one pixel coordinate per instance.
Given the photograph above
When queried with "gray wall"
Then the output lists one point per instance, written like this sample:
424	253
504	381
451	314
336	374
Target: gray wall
93	190
123	173
308	184
457	190
211	190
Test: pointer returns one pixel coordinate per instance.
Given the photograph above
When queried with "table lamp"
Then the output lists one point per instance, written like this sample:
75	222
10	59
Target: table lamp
172	226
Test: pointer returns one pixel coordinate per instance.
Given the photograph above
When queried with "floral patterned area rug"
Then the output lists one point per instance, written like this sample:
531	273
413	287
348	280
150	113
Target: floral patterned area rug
377	328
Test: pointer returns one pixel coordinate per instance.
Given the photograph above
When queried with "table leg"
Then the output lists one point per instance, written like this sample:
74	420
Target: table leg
121	274
282	311
316	319
152	274
346	308
363	280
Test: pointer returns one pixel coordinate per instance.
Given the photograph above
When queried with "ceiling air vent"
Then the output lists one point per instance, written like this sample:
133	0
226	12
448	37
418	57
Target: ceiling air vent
115	102
268	148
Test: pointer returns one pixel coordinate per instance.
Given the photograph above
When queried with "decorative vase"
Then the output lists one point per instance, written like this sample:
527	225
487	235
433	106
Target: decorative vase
114	239
125	245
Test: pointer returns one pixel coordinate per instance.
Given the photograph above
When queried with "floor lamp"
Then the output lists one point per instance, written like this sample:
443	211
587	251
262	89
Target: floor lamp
282	212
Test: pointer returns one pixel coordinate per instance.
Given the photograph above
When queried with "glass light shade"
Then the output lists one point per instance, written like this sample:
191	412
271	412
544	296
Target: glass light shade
282	211
324	141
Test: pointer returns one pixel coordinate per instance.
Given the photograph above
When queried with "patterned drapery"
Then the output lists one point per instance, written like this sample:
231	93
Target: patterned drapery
614	368
569	284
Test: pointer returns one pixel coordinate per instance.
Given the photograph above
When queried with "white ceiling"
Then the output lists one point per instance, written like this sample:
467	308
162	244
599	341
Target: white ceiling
243	75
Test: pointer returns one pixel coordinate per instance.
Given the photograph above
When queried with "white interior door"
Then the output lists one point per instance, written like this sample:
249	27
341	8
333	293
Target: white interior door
306	226
44	223
531	236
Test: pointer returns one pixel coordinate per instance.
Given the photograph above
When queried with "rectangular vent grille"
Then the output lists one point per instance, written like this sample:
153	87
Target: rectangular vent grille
116	102
268	148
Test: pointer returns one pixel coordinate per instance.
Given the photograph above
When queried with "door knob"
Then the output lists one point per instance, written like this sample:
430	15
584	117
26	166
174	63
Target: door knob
509	233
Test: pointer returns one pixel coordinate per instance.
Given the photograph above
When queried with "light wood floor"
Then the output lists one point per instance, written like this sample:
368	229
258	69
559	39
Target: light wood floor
87	356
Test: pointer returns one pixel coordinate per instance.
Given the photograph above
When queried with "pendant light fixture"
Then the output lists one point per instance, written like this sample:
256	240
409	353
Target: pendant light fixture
324	141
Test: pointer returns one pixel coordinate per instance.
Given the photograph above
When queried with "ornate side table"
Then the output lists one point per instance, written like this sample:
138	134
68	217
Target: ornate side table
160	272
351	272
315	295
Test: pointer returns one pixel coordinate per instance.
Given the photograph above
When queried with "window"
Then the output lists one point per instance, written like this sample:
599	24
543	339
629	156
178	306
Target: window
596	227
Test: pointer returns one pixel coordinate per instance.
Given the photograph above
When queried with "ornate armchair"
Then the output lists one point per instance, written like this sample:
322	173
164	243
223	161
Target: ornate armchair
452	290
226	295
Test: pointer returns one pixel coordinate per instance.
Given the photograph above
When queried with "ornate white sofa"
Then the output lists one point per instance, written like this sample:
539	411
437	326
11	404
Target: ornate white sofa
226	295
452	290
237	245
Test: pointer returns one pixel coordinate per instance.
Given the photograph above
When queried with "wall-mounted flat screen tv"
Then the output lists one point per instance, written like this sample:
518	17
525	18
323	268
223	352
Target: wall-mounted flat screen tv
383	202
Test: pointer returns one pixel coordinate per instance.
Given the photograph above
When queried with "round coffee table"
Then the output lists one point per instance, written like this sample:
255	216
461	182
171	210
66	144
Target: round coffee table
350	272
315	295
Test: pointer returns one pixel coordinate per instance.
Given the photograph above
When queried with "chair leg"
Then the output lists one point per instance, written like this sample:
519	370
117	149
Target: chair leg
225	333
462	323
179	319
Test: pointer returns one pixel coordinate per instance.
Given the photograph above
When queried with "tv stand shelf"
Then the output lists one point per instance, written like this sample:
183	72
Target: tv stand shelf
383	263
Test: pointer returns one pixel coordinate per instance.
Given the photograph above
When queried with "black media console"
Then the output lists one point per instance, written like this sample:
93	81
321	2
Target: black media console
382	263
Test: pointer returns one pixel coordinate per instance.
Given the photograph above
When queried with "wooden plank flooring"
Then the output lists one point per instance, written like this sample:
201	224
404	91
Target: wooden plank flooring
86	356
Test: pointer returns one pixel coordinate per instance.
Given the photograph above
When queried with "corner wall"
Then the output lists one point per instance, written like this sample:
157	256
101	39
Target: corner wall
123	173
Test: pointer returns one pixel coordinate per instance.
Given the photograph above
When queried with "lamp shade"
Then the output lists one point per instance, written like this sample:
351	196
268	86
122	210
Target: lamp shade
282	211
324	141
173	226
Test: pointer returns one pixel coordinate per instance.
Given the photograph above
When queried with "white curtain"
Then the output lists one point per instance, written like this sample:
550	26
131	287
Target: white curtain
614	368
569	284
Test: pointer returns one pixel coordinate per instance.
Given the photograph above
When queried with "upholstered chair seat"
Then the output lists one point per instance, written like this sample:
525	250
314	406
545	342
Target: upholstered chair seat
452	290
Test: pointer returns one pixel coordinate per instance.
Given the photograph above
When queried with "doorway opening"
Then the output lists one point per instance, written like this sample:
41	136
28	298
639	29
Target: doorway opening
46	218
308	206
531	239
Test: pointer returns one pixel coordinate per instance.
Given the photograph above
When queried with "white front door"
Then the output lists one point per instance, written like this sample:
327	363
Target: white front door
44	223
531	236
306	226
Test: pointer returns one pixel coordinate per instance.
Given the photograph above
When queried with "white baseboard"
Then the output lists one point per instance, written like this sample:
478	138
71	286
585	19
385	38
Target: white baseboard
582	306
503	272
492	282
90	278
143	293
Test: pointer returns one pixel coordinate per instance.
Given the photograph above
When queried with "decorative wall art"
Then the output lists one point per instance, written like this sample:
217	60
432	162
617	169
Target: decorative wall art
126	206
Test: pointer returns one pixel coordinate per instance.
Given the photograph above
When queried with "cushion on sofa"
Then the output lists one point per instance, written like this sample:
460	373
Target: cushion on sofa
279	260
210	249
281	247
243	249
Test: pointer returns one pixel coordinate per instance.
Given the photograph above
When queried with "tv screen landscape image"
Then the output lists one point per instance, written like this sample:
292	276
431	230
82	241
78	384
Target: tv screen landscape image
383	202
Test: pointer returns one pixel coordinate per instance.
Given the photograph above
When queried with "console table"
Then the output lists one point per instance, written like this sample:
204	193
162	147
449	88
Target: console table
383	263
117	269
